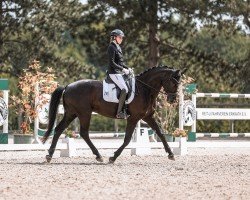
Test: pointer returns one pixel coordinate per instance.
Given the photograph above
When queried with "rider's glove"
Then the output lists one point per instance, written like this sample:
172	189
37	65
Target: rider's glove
125	71
131	70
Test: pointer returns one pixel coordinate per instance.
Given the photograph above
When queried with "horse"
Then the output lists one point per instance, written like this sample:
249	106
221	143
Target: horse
83	97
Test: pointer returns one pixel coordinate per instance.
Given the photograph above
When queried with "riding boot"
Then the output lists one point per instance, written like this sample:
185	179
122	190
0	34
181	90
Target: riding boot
121	114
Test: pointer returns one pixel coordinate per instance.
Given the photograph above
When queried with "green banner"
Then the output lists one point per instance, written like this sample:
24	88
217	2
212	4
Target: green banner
190	88
4	84
3	138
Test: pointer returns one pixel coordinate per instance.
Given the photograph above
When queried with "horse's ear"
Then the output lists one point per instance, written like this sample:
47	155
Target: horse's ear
177	73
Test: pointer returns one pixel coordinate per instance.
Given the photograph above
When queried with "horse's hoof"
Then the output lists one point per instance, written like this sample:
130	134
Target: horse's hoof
171	157
111	160
99	159
48	158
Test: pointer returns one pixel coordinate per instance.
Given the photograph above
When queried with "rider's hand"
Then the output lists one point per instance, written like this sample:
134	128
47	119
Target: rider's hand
126	71
131	70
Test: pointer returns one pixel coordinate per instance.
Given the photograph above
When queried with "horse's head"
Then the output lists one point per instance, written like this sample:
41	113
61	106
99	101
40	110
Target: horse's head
171	84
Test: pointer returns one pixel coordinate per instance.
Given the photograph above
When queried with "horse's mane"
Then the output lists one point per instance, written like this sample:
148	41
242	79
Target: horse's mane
155	67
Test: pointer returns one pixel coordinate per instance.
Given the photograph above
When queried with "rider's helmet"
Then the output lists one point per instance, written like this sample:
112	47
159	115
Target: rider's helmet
117	32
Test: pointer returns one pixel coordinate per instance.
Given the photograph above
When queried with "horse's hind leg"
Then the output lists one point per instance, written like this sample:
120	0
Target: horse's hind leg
63	124
84	132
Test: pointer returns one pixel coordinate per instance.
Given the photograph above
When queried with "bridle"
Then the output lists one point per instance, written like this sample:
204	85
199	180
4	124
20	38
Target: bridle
165	93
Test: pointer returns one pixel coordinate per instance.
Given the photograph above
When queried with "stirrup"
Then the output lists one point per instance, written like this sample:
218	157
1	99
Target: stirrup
122	115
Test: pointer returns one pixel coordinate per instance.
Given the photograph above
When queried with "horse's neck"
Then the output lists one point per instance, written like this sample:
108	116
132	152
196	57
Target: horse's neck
152	80
149	86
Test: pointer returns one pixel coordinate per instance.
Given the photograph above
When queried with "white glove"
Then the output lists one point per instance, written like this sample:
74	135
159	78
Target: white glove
125	71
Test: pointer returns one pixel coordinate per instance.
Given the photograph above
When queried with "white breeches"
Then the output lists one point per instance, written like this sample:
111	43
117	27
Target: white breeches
119	81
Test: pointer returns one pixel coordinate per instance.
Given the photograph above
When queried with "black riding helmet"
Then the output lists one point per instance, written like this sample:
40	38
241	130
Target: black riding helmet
117	32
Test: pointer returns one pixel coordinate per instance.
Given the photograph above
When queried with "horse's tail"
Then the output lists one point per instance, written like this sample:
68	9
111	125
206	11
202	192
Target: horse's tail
53	106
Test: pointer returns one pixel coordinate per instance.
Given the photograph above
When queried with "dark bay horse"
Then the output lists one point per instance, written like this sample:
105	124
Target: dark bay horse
83	97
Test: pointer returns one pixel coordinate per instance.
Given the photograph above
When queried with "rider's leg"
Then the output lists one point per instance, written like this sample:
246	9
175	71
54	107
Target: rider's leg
120	113
119	81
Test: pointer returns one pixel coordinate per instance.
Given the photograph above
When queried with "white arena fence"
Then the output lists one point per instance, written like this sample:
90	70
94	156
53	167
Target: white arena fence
69	147
189	113
220	114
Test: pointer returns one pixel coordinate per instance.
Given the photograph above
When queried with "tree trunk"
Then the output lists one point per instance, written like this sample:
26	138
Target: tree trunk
154	40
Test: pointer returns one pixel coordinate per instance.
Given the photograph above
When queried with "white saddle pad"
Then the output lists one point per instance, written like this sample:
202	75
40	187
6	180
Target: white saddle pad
110	92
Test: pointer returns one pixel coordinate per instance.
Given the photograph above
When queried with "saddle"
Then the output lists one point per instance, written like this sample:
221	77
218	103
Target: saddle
111	91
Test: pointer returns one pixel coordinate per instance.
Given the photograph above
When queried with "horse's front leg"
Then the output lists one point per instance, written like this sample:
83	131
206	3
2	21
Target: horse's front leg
153	124
129	132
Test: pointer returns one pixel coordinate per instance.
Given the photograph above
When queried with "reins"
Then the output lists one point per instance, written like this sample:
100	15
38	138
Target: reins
150	86
153	87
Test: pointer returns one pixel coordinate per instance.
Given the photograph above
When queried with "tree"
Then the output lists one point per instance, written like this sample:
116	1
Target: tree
40	29
25	104
209	37
165	32
12	54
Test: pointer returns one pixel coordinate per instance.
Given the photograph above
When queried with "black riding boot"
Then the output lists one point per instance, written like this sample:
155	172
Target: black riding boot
121	114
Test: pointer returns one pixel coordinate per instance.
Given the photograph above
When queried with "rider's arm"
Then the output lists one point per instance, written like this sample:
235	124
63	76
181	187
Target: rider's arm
111	53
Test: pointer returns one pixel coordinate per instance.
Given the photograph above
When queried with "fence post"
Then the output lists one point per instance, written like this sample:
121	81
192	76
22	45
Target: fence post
140	141
4	86
182	150
71	148
36	121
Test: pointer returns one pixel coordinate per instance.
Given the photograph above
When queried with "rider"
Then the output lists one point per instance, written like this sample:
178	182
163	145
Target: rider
117	69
